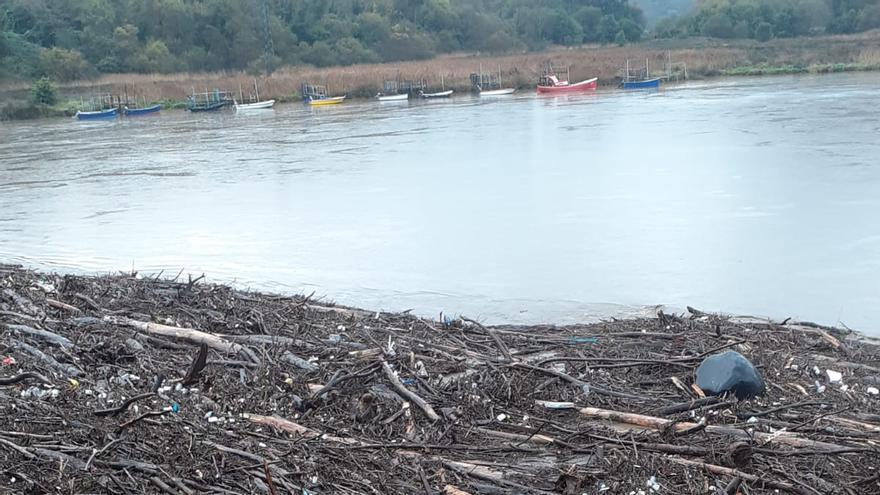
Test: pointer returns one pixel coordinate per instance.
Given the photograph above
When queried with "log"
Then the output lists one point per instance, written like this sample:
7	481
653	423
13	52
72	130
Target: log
661	424
23	303
12	380
189	335
50	337
516	437
298	362
451	490
297	429
63	306
64	369
408	394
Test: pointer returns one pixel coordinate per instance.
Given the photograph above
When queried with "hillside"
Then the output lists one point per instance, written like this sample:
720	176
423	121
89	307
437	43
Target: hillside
79	38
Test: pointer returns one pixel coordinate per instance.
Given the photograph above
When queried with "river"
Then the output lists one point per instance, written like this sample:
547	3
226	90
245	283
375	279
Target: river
751	195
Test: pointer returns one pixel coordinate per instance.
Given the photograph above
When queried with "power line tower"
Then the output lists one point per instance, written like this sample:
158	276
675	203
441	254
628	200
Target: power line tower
268	46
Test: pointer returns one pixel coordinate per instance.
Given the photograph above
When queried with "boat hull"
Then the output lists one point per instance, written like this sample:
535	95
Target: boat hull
498	92
134	112
327	101
646	84
441	94
102	114
207	108
401	97
260	105
587	85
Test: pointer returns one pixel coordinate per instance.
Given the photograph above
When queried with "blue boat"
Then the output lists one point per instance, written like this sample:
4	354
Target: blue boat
133	112
642	84
100	114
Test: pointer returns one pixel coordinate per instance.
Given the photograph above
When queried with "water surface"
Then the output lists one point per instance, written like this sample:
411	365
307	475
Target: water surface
755	196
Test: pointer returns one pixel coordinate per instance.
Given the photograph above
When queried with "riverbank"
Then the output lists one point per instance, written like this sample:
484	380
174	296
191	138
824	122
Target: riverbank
694	58
292	395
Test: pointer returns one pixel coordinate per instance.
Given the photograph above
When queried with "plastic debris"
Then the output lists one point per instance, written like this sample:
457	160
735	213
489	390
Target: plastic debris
729	372
834	376
872	391
8	361
652	484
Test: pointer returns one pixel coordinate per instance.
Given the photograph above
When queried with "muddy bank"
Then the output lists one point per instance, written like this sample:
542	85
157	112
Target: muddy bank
142	385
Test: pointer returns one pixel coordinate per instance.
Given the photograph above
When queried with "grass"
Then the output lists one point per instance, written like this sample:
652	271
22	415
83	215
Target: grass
698	57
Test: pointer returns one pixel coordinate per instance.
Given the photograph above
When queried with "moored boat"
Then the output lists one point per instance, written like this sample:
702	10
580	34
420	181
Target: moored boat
556	86
133	112
399	97
439	94
642	84
331	100
498	92
260	105
641	80
98	114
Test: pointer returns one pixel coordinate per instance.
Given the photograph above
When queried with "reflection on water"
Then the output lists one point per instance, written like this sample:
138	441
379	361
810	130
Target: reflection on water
746	195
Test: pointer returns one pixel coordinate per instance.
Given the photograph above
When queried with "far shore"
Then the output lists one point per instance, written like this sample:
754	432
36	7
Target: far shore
695	58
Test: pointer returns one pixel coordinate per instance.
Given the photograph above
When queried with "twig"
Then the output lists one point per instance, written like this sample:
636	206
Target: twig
148	414
498	342
122	407
18	448
408	394
779	485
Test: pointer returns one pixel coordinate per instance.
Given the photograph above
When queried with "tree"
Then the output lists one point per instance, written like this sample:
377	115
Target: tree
718	26
588	17
764	31
620	38
44	92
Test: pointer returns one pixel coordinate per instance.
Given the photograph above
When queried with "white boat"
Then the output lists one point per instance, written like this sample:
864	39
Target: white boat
260	105
441	94
498	92
400	97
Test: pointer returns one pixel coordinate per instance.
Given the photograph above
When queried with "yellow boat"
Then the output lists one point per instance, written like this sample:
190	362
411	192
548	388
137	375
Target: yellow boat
327	101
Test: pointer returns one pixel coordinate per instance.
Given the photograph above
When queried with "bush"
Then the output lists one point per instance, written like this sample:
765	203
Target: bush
65	65
620	38
44	92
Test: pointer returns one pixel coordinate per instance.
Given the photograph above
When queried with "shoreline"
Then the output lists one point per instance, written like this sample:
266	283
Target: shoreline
166	381
702	58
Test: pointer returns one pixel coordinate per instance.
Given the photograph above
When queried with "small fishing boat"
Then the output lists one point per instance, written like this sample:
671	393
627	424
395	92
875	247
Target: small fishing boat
642	84
497	92
400	97
134	112
316	96
98	114
209	101
327	100
555	86
253	102
641	80
260	105
439	94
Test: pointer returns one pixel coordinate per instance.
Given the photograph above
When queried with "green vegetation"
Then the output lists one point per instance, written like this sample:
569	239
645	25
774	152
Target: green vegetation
74	39
766	19
43	92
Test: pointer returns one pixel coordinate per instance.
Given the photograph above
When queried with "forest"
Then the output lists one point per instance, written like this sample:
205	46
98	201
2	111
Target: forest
766	19
75	39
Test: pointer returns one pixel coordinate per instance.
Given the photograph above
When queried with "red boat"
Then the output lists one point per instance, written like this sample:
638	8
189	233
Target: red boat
552	84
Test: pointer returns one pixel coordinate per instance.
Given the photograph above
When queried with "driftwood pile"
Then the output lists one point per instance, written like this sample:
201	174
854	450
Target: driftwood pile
127	384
